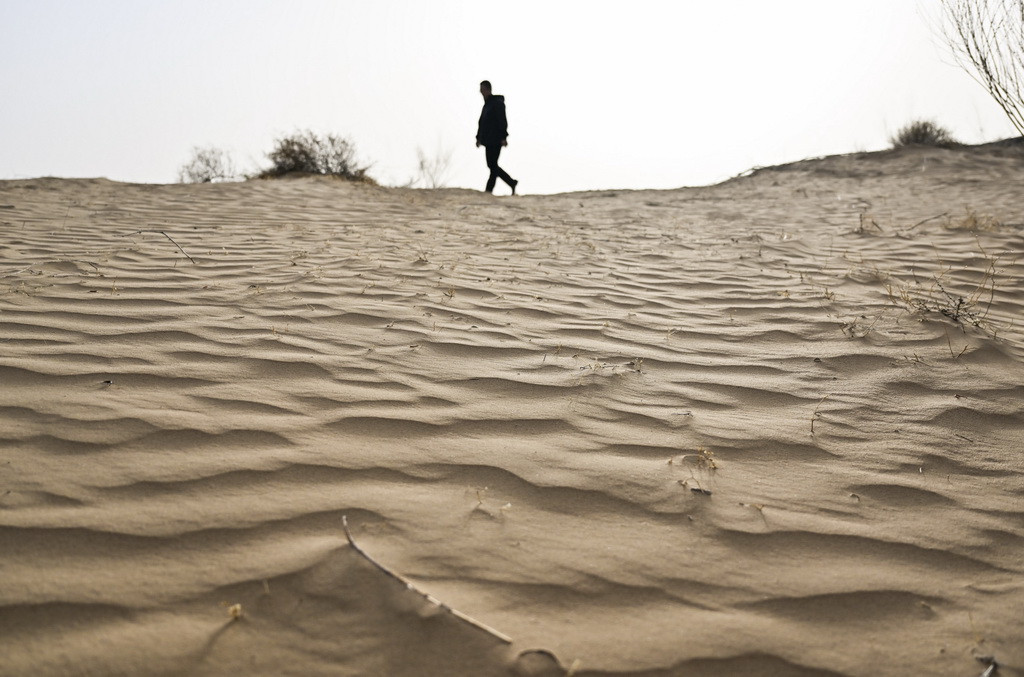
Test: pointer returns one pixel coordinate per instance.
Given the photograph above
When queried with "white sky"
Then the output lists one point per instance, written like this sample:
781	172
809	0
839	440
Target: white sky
599	94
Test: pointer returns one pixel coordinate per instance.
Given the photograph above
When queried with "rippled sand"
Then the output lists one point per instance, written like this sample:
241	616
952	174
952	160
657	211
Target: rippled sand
711	431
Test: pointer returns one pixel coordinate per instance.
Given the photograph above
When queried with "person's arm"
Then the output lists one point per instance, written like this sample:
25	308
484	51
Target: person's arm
503	125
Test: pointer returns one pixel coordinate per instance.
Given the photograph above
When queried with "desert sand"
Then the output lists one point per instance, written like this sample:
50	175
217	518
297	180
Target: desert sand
769	427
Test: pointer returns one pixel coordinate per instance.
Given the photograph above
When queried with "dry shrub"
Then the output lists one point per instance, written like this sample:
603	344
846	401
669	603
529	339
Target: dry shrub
207	166
923	133
307	153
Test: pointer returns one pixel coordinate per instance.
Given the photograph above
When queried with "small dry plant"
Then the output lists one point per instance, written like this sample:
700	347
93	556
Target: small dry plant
974	222
867	224
932	297
860	326
702	460
432	172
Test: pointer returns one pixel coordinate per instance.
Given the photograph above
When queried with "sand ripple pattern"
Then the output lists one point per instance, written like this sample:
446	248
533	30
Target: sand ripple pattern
736	430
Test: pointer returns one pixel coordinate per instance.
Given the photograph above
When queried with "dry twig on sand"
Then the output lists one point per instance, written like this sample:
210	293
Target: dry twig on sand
924	221
814	416
165	235
430	598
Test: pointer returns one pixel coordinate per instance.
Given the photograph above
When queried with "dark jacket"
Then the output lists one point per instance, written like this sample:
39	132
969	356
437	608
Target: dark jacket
493	127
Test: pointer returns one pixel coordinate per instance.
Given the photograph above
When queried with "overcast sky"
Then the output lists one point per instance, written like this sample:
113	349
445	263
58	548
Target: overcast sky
599	94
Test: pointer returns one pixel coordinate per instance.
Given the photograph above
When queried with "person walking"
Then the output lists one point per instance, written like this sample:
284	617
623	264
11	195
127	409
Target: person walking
492	134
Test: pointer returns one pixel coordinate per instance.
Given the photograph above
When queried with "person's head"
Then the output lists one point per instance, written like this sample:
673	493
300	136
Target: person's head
485	88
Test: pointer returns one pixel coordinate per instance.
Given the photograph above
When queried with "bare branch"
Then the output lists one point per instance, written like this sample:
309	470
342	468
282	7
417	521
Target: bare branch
987	40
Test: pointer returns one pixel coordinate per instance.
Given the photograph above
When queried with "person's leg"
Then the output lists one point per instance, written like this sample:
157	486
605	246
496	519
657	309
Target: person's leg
493	152
492	164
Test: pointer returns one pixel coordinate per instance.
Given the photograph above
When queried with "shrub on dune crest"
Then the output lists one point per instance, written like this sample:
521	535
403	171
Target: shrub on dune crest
307	153
923	133
207	166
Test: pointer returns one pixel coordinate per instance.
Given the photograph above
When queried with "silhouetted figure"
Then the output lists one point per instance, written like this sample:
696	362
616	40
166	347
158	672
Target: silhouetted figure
492	134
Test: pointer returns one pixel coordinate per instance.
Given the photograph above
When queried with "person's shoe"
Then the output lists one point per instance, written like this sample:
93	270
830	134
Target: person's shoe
514	184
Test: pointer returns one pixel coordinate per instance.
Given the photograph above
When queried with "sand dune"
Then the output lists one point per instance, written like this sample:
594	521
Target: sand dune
769	427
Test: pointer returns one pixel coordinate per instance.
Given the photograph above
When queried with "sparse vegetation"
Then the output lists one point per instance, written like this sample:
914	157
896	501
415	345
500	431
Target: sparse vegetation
207	165
964	293
923	133
934	296
308	153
